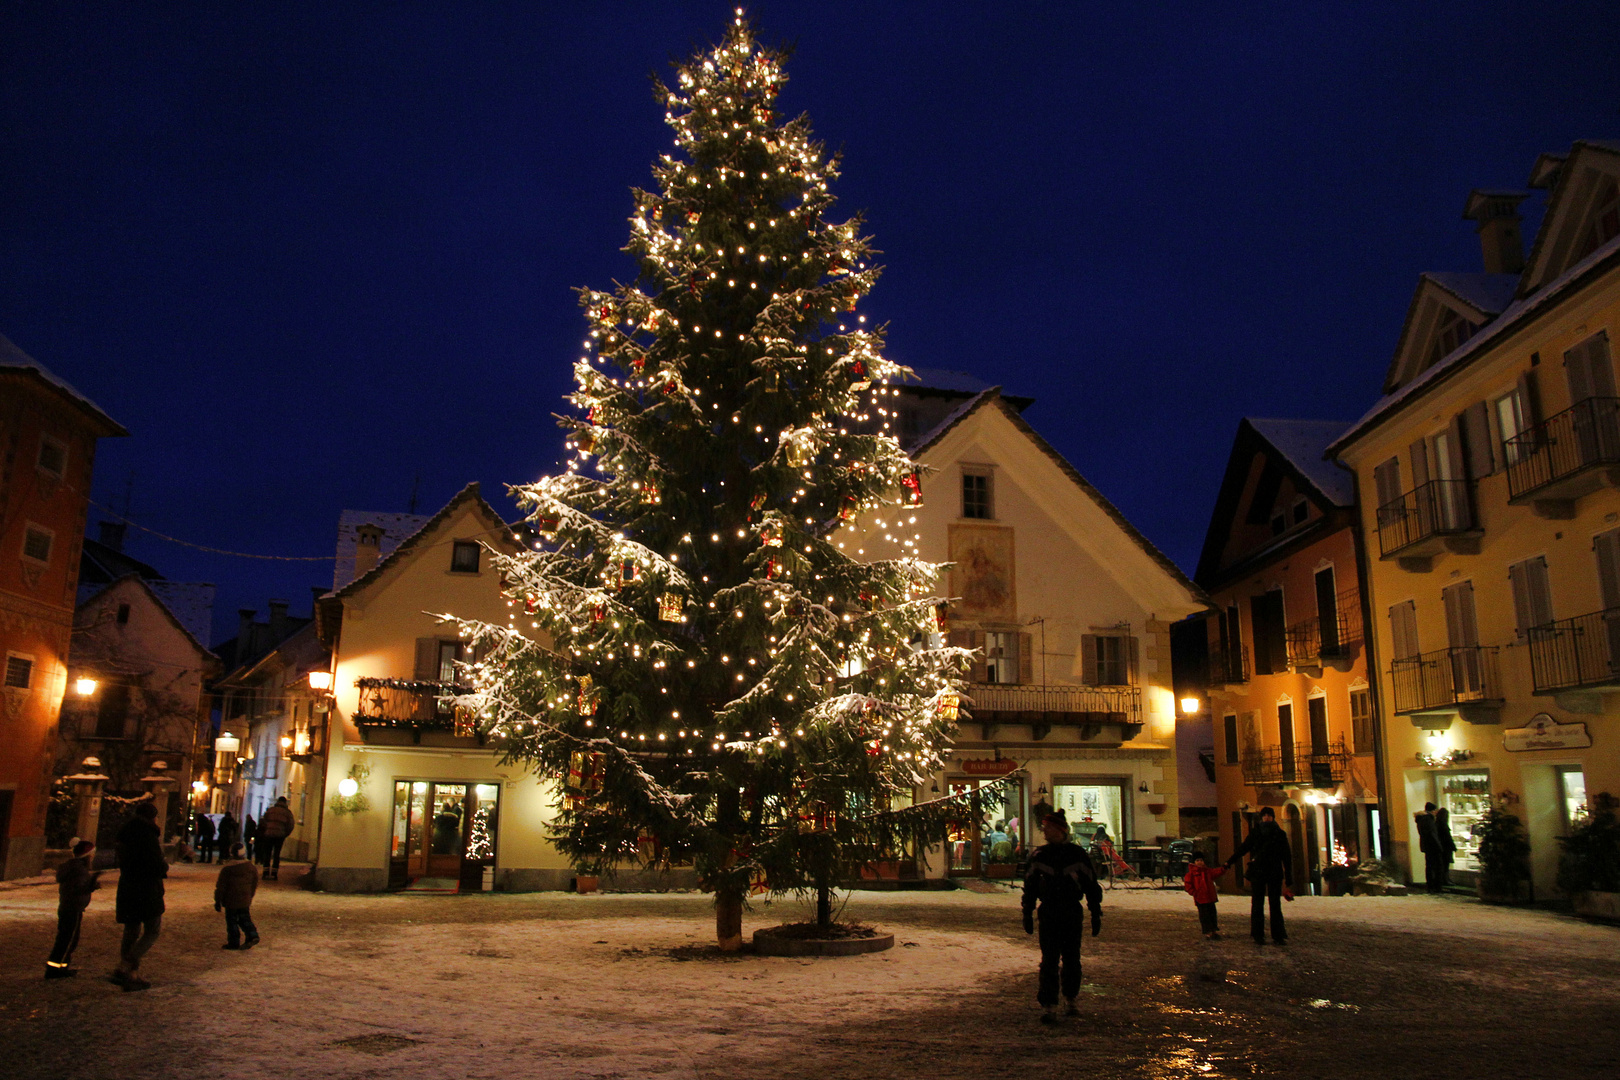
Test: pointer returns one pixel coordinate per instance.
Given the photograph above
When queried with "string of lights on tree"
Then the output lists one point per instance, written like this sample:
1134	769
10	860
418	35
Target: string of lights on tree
694	652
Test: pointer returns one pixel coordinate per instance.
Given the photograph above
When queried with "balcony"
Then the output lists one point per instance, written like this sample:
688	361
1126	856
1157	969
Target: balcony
1582	653
1435	686
1431	518
1228	667
1314	645
1566	456
1325	767
1089	708
411	705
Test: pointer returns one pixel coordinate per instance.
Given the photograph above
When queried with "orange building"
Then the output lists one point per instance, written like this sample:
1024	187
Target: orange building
1289	696
48	433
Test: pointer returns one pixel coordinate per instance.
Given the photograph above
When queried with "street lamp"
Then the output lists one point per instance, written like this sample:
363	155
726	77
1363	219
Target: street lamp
1190	706
84	686
320	680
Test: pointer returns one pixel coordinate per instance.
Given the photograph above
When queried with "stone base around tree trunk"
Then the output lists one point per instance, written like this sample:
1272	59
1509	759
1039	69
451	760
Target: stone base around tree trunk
770	942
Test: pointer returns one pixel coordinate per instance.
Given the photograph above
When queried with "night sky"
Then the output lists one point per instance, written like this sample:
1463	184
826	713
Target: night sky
316	259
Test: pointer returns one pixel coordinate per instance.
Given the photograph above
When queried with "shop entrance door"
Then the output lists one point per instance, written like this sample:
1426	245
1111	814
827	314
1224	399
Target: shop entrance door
439	829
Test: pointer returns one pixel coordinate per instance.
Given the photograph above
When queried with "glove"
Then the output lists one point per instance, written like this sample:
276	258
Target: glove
1096	923
1029	922
1288	894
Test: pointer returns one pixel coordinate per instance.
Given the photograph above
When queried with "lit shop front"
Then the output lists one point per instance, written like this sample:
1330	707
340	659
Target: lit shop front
444	835
995	827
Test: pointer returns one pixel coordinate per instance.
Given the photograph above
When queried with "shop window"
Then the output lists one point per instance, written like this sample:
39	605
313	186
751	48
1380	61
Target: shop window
1095	811
464	556
1572	794
19	671
1466	796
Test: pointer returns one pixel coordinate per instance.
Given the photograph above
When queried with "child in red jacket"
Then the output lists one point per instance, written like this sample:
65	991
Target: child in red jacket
1200	882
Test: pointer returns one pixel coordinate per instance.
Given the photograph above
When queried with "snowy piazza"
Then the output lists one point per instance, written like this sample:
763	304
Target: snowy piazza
825	541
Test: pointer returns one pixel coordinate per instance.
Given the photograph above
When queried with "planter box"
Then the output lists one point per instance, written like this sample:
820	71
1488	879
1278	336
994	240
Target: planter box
1598	905
587	883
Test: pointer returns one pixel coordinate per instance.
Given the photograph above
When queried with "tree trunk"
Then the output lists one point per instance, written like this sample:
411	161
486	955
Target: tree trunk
728	905
823	905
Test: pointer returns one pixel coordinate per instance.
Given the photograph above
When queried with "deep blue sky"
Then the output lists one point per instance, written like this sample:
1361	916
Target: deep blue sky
306	255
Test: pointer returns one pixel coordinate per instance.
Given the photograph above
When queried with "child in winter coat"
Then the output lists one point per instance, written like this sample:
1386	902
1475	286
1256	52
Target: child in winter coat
1200	882
75	881
233	893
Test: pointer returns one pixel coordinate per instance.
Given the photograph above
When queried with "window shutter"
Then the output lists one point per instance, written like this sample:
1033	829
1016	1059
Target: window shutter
1530	398
1419	451
1133	653
1387	478
1607	548
1522	616
1476	429
1026	659
1456	464
427	659
1088	659
1540	590
1461	628
1403	629
980	670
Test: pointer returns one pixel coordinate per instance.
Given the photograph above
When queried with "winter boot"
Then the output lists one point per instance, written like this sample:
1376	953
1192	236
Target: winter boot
1049	1014
1070	1008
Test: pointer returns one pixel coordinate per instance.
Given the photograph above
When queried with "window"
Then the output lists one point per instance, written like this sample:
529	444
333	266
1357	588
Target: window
123	614
1462	627
52	456
1361	725
1231	732
449	653
1532	595
112	711
1327	612
37	542
1000	657
976	494
1302	510
19	671
1285	738
1605	218
1403	629
1111	669
464	557
1606	546
1509	409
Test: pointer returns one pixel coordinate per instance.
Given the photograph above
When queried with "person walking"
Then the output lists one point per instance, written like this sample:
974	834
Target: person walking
139	904
250	829
1446	843
1270	873
75	882
205	837
233	894
274	828
228	833
1200	882
1060	877
1429	844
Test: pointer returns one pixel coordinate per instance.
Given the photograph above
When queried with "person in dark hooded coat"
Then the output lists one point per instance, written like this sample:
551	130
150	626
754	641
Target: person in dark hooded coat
1270	872
139	902
1060	879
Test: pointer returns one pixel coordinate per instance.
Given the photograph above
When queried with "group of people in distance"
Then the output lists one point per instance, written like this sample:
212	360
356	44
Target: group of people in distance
1061	885
139	905
264	838
1439	847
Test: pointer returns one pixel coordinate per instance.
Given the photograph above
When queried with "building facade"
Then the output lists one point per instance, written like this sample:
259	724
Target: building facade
1288	690
1487	478
48	433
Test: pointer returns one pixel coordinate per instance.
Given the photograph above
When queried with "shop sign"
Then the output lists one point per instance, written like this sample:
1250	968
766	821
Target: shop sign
989	766
1544	733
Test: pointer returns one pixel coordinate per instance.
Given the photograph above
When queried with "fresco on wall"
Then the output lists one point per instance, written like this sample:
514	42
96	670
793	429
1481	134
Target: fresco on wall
982	574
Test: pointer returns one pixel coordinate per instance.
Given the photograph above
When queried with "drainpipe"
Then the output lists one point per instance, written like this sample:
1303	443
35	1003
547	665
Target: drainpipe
1380	757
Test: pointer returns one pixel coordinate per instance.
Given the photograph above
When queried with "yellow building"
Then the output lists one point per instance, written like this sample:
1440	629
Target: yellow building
1487	480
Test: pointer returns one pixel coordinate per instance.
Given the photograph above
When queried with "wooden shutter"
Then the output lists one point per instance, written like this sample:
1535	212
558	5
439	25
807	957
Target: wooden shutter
1607	548
1589	370
1026	659
1133	659
1456	464
1403	630
1540	590
1088	659
1529	398
1419	452
427	659
1316	710
1521	599
1462	628
1387	478
981	672
1476	430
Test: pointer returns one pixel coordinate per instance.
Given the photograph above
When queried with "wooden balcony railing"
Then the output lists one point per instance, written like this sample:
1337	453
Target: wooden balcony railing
413	705
1055	704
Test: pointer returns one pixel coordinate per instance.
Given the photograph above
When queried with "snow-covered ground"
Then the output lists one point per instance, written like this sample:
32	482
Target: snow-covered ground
564	986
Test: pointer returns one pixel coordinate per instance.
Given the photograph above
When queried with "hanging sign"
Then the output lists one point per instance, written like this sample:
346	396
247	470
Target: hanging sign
989	766
1544	733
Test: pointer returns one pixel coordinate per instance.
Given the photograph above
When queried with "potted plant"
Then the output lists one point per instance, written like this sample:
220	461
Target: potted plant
1504	856
1589	868
1372	877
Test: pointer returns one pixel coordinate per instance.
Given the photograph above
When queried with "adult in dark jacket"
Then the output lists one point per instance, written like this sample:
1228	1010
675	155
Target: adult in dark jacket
1270	871
274	828
1446	842
1434	867
1060	877
250	829
139	906
205	837
75	882
230	833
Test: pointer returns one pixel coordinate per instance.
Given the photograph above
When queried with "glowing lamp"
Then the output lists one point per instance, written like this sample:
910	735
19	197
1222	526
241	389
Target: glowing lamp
348	787
84	686
199	786
320	680
286	743
1189	706
227	744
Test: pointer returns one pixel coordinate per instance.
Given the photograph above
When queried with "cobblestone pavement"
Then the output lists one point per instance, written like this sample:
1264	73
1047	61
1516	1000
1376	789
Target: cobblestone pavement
552	985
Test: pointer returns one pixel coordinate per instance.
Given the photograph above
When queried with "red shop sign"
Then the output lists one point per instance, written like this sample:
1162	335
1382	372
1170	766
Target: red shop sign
989	766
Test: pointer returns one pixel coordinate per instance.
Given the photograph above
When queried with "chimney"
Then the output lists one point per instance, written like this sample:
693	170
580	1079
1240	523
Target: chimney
1497	216
367	548
112	534
244	631
316	592
278	621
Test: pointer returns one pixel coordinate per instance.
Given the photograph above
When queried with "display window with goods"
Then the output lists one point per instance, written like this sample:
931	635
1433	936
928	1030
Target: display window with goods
443	835
993	831
1466	796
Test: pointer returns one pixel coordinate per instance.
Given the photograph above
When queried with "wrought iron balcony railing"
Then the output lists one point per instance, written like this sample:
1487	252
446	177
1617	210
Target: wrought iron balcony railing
1574	654
1315	643
411	705
1425	516
1433	681
1561	448
1228	667
1317	767
1055	704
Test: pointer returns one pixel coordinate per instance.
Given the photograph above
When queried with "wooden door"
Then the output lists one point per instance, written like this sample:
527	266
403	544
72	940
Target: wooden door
447	830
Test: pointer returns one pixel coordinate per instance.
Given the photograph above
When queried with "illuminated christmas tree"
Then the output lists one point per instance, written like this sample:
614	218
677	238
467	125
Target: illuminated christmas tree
719	679
480	843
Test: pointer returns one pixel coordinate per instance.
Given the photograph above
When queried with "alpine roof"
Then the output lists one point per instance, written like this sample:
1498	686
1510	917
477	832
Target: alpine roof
14	359
162	605
415	540
1303	443
395	529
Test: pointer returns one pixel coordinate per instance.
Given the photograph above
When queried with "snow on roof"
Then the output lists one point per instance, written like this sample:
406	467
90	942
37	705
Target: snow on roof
928	438
191	603
396	529
1303	442
1510	318
1490	293
15	359
941	379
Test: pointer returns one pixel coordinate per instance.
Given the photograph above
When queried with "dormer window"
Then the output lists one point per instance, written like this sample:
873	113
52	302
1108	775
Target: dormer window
1302	510
1450	332
464	557
1605	219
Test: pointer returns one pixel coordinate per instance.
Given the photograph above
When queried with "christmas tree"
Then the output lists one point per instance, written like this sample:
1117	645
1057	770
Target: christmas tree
708	674
480	844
